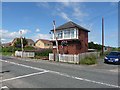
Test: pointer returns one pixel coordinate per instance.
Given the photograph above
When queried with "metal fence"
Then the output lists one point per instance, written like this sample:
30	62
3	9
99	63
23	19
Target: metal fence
72	58
24	54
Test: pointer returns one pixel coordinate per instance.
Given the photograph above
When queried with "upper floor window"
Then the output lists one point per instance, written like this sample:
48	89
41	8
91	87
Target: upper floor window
59	34
72	33
67	34
47	44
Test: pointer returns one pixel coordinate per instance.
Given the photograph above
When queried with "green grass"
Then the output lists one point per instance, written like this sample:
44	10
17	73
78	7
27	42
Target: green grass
89	60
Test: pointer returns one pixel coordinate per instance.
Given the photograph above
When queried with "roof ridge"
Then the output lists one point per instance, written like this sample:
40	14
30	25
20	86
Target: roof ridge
70	24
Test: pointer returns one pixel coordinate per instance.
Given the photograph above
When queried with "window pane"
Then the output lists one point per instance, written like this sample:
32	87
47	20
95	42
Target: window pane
67	34
59	34
72	33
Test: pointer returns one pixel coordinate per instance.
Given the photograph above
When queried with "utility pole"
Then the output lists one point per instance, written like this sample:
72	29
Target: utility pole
21	43
102	35
54	26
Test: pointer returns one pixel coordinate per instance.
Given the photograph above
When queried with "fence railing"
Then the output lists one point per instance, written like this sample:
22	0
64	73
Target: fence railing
71	58
24	54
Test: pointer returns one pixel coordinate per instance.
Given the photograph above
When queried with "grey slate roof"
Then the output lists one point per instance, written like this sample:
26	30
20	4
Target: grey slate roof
70	24
6	44
30	41
44	41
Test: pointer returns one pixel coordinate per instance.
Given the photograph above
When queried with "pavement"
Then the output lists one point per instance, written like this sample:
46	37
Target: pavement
28	73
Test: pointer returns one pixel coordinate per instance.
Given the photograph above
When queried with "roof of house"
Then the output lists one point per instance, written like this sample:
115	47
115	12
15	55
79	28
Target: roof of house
30	41
14	40
70	24
6	44
44	41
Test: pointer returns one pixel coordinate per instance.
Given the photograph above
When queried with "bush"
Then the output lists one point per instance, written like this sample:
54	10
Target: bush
89	60
0	49
13	49
29	48
10	49
44	52
105	53
7	53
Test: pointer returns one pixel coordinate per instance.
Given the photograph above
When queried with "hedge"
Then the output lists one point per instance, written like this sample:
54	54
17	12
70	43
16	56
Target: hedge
43	52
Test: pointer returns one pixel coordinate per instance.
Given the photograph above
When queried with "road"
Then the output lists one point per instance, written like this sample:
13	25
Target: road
26	73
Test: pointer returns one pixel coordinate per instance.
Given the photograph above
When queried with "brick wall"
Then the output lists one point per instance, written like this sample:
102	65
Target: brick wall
75	46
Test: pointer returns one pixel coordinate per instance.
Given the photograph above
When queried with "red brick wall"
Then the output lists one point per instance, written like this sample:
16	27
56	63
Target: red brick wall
83	37
75	47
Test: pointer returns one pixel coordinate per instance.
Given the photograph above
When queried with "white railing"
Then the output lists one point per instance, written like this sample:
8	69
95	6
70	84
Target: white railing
72	58
51	56
54	46
53	39
69	58
24	54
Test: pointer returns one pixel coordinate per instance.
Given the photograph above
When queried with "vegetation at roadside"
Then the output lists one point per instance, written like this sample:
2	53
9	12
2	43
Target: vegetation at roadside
7	53
89	60
92	45
116	49
43	53
103	55
39	54
13	49
18	42
29	48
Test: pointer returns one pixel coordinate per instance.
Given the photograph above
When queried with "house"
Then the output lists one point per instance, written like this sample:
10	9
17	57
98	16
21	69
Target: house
107	48
42	43
30	42
14	40
71	38
6	44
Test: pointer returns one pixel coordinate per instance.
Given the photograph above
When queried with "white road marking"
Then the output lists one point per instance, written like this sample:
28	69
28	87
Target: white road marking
83	79
114	70
59	73
39	69
4	87
19	77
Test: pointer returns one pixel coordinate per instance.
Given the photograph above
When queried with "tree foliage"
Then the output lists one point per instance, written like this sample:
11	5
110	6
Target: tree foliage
91	45
18	42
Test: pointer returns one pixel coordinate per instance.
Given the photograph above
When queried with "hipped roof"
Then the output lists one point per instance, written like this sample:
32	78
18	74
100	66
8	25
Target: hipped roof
70	24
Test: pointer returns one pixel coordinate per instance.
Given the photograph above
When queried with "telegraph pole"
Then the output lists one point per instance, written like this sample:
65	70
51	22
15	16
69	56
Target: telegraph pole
56	39
21	43
102	35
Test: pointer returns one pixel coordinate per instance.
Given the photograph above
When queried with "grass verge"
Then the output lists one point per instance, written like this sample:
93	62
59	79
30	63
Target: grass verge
89	60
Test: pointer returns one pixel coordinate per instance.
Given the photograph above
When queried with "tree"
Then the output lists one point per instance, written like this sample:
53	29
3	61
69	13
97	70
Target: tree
91	45
18	42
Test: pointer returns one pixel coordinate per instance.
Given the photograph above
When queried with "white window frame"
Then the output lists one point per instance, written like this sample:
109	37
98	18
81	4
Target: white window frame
63	34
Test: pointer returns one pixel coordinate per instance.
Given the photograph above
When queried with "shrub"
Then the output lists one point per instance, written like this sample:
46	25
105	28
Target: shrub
7	53
89	60
0	49
10	49
105	53
44	52
29	48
